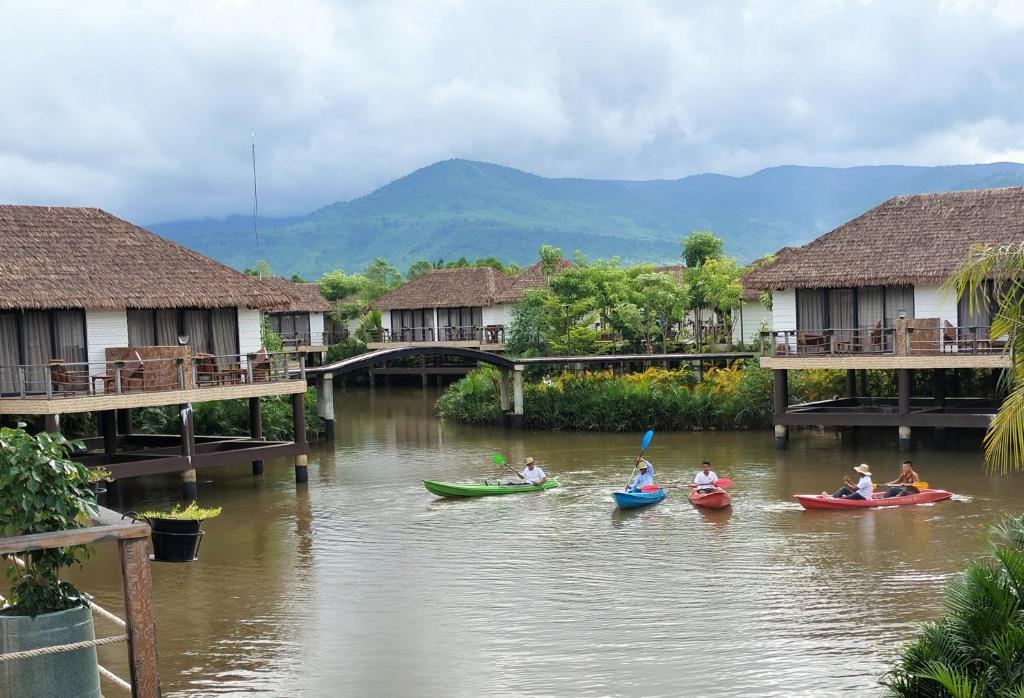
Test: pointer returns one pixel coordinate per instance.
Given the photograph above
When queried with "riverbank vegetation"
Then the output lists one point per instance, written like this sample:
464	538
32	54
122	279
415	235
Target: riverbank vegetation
738	396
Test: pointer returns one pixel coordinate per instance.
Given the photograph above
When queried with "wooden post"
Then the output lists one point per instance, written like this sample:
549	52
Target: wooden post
188	450
299	427
517	396
780	399
52	423
124	421
325	403
864	382
138	606
939	387
108	422
851	383
504	389
256	430
904	383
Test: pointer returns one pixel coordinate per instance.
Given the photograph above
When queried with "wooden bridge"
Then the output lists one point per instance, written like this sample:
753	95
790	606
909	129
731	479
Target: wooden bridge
511	384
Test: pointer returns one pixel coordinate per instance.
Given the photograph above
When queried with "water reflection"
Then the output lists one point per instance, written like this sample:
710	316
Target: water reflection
363	583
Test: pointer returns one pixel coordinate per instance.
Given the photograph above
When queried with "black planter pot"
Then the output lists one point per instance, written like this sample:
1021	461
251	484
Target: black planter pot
175	540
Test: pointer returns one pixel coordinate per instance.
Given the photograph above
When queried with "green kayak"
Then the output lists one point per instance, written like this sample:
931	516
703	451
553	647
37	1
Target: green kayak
478	489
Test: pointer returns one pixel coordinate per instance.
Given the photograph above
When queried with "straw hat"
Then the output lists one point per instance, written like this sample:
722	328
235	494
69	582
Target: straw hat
643	465
529	461
863	469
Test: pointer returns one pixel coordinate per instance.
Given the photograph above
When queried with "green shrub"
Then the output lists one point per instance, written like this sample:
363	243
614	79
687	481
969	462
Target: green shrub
977	647
737	397
231	418
42	491
193	512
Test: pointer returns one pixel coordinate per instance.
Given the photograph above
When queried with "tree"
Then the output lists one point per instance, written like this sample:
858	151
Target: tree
336	285
550	257
418	268
1004	441
700	246
977	648
381	278
297	279
261	268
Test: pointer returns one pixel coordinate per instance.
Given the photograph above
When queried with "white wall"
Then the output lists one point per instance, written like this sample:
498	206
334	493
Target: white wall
498	314
784	309
104	328
755	318
316	328
933	301
249	331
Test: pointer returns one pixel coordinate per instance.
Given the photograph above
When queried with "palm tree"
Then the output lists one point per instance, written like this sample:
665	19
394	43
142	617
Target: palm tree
977	648
1004	442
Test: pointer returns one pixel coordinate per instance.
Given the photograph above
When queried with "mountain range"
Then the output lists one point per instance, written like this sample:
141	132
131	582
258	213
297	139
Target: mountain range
457	208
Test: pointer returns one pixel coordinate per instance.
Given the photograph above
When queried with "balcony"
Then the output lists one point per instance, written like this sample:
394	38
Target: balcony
915	343
147	377
488	337
312	341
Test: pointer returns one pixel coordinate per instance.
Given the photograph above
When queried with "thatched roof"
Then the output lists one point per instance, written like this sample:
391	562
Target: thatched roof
463	287
751	293
305	297
57	257
918	239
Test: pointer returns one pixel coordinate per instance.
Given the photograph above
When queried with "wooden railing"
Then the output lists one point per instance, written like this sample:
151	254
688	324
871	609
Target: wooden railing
132	544
59	379
909	337
487	334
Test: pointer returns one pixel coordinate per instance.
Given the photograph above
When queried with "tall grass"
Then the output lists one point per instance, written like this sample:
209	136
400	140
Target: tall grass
737	397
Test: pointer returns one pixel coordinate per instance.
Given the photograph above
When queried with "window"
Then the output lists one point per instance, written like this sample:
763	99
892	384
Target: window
36	337
293	327
413	325
209	331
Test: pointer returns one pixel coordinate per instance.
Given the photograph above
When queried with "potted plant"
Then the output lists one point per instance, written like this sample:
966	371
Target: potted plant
176	533
98	477
43	491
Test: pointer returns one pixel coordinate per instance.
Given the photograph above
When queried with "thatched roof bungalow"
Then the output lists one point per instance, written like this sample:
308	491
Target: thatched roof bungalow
890	262
301	322
468	304
75	282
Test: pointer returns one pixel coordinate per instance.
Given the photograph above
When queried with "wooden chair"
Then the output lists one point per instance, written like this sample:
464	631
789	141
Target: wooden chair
875	344
811	343
261	367
209	373
64	381
132	376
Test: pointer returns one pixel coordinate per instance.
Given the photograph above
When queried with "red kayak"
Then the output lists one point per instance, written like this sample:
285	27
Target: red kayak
714	500
817	501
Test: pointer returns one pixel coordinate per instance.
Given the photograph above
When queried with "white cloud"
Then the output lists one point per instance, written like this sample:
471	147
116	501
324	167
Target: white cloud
145	109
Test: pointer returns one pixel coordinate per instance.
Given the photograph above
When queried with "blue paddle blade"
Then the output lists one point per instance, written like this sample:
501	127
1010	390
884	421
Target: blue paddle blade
647	440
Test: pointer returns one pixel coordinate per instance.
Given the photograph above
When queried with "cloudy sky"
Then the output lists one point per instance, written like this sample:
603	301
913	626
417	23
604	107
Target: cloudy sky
146	108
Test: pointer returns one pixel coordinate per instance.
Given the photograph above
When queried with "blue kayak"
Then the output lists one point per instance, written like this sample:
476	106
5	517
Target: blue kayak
629	500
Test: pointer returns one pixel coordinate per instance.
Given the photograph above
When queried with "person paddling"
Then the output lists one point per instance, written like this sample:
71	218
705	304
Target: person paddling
859	490
903	485
704	480
532	473
644	476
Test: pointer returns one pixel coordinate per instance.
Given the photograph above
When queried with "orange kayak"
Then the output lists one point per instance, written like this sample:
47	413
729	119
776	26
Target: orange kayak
817	501
714	500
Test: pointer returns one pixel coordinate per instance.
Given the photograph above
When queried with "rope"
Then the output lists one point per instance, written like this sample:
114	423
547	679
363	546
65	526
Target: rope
56	649
114	678
107	614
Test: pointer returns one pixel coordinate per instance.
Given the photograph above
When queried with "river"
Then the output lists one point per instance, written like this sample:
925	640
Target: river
363	583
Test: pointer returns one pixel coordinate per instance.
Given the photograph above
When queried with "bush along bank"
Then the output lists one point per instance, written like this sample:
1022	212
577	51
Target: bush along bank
737	397
231	418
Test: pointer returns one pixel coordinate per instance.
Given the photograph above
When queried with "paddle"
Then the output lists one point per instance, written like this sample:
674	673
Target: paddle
644	443
922	485
500	460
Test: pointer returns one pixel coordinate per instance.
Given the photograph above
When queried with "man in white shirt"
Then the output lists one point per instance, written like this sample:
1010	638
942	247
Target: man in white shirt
644	477
863	487
532	473
704	481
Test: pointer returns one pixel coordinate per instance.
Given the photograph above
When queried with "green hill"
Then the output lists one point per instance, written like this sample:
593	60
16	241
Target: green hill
461	208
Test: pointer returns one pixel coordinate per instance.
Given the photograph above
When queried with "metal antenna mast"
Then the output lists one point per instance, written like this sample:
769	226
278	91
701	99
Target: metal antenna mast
256	207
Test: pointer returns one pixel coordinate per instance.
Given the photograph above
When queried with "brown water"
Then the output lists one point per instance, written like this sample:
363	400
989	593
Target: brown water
363	583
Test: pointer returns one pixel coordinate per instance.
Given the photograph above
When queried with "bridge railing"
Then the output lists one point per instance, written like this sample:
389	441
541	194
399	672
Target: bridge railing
486	334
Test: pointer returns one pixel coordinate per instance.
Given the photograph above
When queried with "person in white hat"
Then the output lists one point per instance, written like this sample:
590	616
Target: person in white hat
644	476
859	490
532	473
